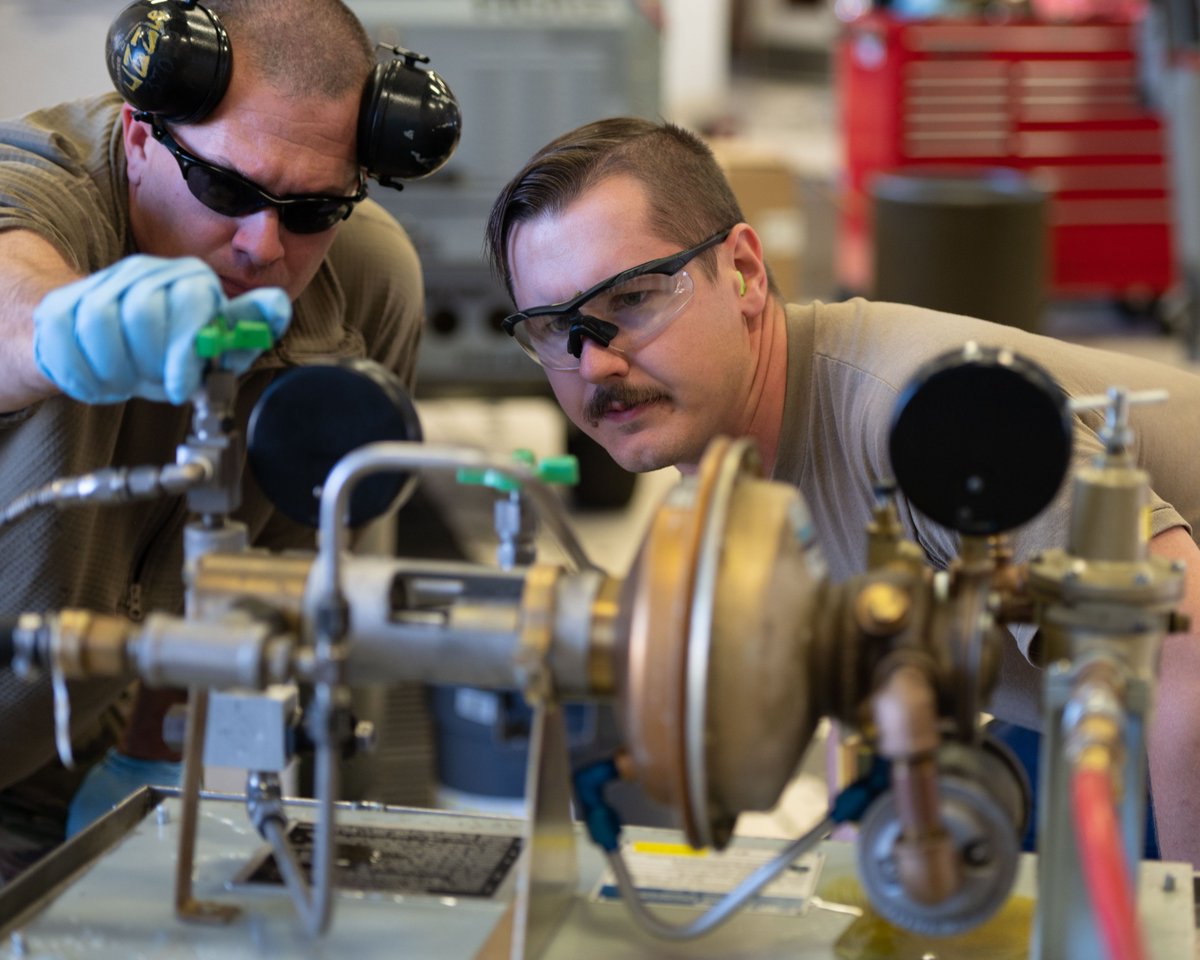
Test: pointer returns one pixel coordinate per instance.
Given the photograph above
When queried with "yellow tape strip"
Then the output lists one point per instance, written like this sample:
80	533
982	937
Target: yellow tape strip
667	849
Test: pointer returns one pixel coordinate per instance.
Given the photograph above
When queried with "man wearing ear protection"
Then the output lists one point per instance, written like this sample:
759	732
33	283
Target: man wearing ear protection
643	293
225	179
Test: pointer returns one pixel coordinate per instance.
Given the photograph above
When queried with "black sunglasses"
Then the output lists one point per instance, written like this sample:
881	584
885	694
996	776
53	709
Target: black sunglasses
664	265
232	195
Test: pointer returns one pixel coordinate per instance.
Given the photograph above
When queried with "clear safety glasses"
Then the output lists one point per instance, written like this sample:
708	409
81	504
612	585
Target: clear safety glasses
621	313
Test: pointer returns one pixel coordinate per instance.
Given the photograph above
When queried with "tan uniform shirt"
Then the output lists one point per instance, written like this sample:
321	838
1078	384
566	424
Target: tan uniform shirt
62	175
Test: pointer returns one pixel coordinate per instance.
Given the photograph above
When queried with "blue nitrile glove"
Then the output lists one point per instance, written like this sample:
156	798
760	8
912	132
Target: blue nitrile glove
112	780
129	330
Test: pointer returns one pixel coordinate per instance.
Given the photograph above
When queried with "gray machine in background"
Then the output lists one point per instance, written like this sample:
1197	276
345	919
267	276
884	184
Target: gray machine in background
524	71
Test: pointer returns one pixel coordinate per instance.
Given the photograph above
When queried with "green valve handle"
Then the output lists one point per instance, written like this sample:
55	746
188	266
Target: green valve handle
216	339
560	471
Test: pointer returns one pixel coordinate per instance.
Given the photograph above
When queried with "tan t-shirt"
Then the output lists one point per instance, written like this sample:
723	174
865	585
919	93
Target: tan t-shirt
62	175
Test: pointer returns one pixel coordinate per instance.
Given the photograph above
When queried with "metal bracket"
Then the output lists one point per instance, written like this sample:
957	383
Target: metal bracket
548	873
187	907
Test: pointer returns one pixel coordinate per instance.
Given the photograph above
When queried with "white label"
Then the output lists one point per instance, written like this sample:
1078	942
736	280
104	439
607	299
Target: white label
674	874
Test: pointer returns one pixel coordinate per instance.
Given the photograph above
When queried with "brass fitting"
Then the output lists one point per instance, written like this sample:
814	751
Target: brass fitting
881	609
1094	720
606	610
538	603
91	644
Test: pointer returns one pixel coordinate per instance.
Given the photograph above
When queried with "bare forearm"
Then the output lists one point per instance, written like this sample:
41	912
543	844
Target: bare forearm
29	269
1174	734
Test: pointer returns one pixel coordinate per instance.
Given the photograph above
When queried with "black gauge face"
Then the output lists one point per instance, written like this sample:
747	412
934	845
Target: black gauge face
981	440
310	418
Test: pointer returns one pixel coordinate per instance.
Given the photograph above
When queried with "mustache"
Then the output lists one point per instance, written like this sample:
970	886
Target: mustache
607	395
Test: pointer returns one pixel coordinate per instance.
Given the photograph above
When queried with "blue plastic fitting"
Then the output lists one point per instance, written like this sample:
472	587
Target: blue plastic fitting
603	824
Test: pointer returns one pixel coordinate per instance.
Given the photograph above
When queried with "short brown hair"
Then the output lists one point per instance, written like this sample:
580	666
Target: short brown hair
305	48
689	197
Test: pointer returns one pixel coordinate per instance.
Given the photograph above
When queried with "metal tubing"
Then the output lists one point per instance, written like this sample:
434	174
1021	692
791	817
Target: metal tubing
926	856
905	708
905	713
190	798
395	456
325	779
728	905
289	865
170	651
110	485
187	907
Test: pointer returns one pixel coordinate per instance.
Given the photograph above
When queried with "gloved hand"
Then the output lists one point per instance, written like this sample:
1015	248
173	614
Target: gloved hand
130	329
112	780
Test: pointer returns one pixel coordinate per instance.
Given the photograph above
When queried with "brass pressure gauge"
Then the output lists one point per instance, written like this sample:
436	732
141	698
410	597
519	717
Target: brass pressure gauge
715	696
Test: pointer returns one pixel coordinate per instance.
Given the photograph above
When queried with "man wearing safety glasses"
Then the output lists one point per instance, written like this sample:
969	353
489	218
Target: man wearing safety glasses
644	295
233	189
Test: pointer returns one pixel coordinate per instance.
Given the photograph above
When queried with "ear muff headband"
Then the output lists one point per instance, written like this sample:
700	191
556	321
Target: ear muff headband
170	58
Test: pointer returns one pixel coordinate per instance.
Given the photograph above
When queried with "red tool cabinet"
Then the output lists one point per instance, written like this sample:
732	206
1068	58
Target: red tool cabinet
1058	101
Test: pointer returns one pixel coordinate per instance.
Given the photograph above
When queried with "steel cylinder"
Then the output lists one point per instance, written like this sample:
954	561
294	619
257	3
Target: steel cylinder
1110	520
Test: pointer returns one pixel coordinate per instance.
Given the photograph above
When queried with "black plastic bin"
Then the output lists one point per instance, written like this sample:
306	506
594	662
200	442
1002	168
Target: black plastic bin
968	241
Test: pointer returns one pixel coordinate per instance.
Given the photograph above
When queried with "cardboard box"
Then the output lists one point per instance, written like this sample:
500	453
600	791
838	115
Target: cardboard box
769	193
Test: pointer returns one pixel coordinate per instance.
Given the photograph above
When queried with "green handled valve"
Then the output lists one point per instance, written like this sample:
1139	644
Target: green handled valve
216	338
560	471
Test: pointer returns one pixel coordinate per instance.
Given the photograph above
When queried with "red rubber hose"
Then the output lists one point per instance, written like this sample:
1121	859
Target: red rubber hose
1103	861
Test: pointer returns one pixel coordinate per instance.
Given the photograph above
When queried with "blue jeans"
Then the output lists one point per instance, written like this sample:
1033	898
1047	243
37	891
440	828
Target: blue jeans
1027	745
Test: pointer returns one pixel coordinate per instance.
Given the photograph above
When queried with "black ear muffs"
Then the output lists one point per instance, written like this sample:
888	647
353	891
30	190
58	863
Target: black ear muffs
409	123
172	59
169	57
